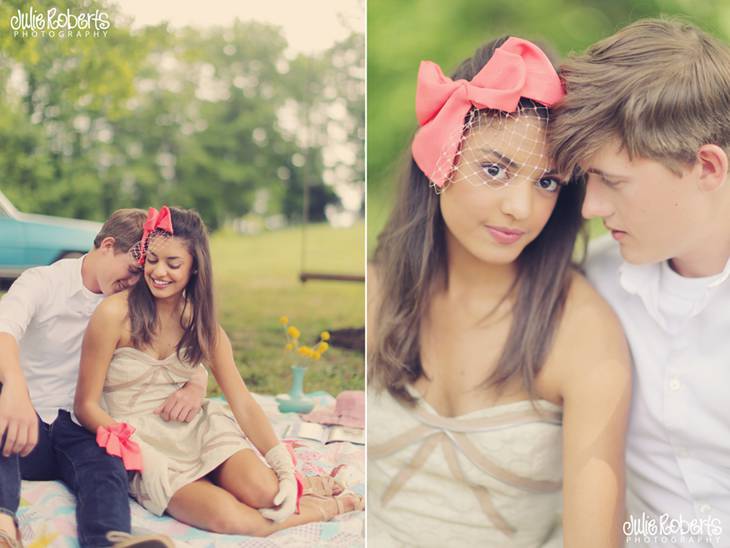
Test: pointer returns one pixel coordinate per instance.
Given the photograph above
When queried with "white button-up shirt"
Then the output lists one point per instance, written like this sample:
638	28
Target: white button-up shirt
47	310
678	445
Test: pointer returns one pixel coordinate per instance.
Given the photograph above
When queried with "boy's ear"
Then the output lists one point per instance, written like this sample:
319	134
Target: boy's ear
108	243
714	164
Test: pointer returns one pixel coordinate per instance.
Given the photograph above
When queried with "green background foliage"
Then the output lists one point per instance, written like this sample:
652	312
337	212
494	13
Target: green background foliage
401	34
184	116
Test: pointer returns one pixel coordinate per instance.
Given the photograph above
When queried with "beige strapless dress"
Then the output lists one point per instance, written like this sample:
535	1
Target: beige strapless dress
488	478
174	453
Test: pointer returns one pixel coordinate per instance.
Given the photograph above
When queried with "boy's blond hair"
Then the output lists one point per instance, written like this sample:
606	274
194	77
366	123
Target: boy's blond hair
125	226
659	87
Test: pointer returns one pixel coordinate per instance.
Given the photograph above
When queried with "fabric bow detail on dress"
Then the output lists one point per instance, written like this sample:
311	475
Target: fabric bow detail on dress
116	440
156	220
517	69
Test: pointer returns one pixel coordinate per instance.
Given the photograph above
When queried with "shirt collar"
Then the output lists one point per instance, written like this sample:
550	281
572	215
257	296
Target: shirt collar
77	282
644	281
720	279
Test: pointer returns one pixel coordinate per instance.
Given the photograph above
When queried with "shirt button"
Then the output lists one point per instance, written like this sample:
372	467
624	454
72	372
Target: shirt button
675	385
705	508
682	452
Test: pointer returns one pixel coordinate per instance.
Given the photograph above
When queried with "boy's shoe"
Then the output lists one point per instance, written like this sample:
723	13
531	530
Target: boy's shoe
125	540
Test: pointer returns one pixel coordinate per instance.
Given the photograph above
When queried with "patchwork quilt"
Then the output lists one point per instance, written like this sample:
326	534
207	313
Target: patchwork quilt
47	508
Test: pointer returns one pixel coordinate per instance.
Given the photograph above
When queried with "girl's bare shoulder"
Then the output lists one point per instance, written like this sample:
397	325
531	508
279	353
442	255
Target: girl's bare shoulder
114	308
590	343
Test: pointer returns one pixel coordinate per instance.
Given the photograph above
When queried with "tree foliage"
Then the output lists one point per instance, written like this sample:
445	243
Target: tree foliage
192	117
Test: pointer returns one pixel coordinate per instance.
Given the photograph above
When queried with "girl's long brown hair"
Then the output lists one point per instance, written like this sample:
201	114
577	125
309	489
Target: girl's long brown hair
411	257
199	320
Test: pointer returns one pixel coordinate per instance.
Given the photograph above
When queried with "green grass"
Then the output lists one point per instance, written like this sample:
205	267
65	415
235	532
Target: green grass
256	281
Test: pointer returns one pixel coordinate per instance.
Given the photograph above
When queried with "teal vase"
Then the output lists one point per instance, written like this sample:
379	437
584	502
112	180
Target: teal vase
297	402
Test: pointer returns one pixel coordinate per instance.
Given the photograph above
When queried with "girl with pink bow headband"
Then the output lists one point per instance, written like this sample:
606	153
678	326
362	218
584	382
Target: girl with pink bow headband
482	332
223	469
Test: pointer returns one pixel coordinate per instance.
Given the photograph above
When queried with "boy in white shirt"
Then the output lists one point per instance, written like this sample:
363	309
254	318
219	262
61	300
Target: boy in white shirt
646	120
42	322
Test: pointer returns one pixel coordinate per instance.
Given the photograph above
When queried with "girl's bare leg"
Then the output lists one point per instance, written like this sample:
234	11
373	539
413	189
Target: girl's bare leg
210	507
248	479
255	484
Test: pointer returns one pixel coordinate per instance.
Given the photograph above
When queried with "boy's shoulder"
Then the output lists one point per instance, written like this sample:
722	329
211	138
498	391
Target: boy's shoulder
53	279
54	270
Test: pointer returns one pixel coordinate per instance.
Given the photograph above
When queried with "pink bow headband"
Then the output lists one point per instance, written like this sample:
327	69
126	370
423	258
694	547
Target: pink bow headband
517	69
156	220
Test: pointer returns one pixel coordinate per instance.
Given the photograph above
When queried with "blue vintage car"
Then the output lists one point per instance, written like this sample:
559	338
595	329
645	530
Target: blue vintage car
28	240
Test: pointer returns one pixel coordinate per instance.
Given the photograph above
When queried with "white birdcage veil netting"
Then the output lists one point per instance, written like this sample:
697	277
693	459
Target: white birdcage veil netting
496	149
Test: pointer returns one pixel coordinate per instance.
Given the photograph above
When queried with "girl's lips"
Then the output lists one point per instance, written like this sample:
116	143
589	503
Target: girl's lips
159	284
505	236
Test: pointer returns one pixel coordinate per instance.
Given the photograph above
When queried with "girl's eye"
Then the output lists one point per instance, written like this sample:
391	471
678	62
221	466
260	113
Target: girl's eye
549	184
494	171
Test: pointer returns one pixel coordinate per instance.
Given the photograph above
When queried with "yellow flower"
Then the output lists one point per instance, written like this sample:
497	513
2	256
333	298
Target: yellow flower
293	332
316	355
283	320
289	347
305	351
322	347
325	335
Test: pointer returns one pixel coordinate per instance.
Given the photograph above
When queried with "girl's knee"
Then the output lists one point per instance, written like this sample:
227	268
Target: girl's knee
262	490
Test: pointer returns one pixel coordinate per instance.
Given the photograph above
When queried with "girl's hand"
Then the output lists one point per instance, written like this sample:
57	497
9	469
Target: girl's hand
286	499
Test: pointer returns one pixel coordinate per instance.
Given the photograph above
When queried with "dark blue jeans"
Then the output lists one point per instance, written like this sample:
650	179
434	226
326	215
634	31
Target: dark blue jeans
68	452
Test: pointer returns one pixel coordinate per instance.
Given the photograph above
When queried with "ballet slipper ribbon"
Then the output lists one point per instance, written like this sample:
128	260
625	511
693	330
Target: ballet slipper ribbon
297	474
116	440
156	220
517	68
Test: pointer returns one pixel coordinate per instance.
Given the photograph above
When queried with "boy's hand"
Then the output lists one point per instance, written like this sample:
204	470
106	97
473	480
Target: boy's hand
18	421
184	404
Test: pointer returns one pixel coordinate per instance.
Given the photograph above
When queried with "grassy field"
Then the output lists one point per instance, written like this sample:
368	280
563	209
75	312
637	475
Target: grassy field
256	282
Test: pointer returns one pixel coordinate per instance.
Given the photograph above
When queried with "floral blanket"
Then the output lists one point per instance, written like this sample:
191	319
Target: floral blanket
47	508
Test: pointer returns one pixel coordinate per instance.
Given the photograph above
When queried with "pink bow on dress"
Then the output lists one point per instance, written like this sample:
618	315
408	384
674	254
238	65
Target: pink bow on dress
156	220
517	69
116	440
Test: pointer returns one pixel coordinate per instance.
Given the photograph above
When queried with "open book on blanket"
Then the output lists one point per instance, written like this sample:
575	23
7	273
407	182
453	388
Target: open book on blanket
325	434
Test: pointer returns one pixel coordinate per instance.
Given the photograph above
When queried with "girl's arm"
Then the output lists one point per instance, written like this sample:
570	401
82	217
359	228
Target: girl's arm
100	341
256	425
248	413
596	391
